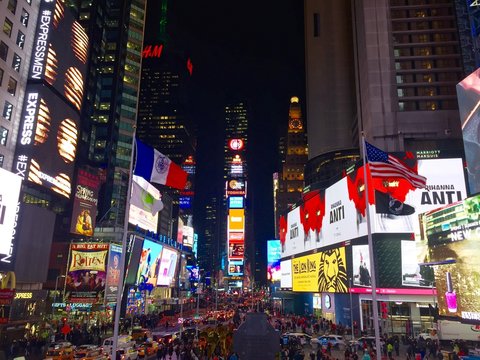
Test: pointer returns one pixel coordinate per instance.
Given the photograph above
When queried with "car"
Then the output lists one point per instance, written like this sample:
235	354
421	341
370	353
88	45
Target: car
147	349
337	341
369	340
89	352
128	353
302	338
62	350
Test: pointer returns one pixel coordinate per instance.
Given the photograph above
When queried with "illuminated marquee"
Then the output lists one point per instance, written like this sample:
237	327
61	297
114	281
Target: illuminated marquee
152	51
236	220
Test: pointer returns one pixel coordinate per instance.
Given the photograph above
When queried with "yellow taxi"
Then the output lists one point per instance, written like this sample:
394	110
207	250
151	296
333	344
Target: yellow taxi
147	349
62	350
89	352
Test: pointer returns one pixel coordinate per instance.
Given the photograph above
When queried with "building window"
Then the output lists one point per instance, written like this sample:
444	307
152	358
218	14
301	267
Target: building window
12	86
1	160
1	76
24	17
7	27
3	136
316	25
3	51
17	61
20	39
7	111
12	6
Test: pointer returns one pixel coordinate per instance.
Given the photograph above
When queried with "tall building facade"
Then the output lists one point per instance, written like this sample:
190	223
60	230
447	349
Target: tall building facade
289	182
19	19
208	253
236	251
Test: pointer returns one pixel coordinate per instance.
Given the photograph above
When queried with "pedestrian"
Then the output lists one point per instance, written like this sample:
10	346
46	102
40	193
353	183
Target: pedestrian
390	350
312	355
396	345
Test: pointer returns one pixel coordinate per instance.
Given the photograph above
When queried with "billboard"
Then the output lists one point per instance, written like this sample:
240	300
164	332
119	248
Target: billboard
236	202
47	140
337	214
453	235
468	94
149	263
361	266
236	250
145	204
415	253
187	236
324	271
236	187
85	282
235	267
180	230
60	51
236	220
274	253
134	252
9	192
167	268
286	274
113	273
85	203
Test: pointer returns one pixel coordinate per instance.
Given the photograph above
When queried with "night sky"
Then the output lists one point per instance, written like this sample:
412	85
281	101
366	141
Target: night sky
252	50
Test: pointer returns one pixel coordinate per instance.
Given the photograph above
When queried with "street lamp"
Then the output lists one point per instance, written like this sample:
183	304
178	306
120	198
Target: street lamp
56	287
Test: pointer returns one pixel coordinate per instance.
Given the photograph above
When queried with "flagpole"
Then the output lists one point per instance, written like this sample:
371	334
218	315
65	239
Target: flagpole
120	289
372	260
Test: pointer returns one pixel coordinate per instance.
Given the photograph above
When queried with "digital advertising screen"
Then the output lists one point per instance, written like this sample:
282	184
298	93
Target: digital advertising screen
235	267
274	252
468	95
47	140
10	185
453	234
194	273
236	220
167	268
134	252
286	274
187	236
361	266
145	203
180	231
149	262
87	272
236	251
235	187
236	202
415	253
324	271
113	273
85	203
60	51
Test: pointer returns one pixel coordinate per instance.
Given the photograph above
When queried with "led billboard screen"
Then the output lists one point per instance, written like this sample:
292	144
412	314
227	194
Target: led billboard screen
85	282
468	94
149	263
236	251
453	234
85	203
47	140
274	252
144	205
113	273
235	267
9	192
60	51
187	236
286	274
168	265
324	271
236	220
236	187
361	265
236	202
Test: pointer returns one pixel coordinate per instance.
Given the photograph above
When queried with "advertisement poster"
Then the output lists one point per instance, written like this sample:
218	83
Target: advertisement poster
85	203
85	282
149	262
321	272
235	267
295	235
286	274
236	187
236	250
187	236
113	273
168	266
9	192
361	266
274	252
236	220
453	234
180	231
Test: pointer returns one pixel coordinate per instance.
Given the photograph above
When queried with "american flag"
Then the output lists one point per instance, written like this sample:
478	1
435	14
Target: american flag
383	165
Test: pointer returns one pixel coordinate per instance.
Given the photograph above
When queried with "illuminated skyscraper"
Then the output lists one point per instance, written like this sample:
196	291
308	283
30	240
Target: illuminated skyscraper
288	183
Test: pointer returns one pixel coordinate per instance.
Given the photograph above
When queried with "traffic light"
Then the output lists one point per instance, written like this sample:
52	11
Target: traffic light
384	309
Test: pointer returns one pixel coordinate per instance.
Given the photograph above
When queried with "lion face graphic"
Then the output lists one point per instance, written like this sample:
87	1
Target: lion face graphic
332	272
